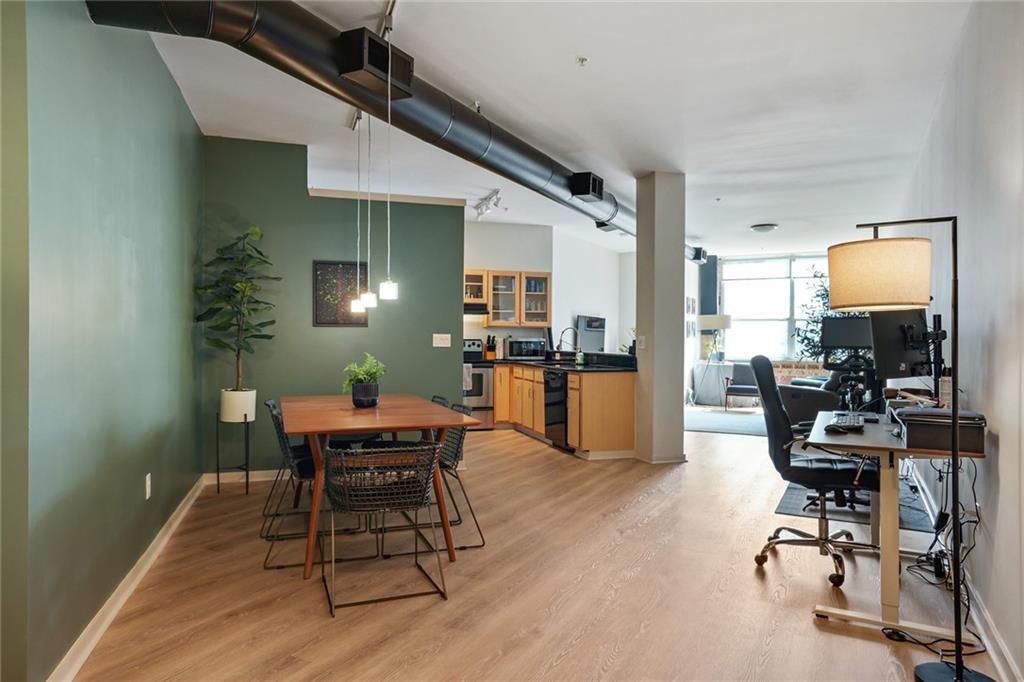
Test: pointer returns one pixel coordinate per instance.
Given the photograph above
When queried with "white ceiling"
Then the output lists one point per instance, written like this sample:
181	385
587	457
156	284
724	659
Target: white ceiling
808	115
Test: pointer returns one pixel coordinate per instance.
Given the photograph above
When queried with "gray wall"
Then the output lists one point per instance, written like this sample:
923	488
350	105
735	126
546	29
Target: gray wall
264	184
114	194
973	166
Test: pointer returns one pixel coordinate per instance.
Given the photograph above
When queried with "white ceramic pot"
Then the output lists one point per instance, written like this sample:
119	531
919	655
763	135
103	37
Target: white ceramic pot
237	406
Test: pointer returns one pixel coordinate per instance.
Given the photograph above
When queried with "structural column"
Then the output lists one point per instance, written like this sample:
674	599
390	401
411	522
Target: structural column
660	297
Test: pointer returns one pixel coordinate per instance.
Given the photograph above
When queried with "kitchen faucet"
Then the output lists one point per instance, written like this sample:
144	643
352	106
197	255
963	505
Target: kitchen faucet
575	346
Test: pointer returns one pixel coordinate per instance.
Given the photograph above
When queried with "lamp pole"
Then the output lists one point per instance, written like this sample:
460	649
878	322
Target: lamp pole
941	671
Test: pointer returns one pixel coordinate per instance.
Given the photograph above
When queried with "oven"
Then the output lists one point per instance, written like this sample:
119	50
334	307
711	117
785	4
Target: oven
478	394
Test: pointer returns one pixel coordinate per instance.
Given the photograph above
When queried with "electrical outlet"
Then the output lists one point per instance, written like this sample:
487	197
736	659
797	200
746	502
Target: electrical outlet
442	340
641	342
149	486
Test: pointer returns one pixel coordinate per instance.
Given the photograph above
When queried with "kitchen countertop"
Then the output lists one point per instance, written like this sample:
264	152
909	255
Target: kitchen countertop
566	367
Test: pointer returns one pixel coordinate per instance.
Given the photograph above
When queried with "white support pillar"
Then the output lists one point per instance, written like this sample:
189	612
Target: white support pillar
660	303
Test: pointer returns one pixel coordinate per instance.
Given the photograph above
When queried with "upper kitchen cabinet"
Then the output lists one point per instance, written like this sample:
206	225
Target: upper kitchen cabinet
506	299
535	302
475	288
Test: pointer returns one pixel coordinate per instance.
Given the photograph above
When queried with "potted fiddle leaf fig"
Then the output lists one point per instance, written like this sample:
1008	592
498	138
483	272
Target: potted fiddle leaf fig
233	313
363	378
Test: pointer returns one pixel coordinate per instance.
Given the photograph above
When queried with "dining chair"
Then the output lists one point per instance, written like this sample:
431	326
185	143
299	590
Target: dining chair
297	460
452	450
375	481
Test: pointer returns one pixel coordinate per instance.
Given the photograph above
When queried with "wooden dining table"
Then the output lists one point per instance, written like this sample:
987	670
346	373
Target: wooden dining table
318	417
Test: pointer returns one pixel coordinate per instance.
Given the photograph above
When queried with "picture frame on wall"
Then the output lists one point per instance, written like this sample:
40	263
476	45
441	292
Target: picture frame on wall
334	288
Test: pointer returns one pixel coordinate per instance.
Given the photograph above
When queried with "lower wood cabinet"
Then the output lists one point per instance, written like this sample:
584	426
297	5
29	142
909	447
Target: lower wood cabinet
600	409
502	392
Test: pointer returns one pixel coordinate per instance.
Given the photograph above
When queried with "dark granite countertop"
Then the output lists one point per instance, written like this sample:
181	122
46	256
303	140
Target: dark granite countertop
565	367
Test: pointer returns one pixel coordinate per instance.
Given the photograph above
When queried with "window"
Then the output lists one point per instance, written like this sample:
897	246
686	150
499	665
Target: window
766	299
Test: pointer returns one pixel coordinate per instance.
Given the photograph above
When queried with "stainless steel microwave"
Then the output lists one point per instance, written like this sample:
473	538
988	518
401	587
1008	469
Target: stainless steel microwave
525	349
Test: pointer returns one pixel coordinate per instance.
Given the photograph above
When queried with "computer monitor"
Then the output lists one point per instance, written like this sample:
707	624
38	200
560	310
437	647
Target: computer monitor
897	346
846	333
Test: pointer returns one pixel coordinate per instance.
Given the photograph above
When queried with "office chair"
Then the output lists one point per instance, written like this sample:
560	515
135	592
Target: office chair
822	474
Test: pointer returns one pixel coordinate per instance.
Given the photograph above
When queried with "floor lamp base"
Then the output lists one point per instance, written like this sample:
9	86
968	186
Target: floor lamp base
945	672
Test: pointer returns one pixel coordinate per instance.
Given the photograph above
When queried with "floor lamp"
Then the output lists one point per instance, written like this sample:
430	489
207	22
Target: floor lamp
895	274
715	324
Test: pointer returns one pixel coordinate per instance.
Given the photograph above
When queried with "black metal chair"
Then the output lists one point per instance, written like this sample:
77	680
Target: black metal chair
452	451
741	384
822	474
374	481
297	460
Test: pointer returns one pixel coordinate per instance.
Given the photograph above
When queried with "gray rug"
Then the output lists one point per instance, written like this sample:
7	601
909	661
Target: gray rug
912	513
742	423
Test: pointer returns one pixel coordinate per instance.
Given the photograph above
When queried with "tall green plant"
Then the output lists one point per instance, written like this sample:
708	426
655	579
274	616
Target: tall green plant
808	337
231	299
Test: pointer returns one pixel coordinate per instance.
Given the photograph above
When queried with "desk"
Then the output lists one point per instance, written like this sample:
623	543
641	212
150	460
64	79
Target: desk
317	417
878	439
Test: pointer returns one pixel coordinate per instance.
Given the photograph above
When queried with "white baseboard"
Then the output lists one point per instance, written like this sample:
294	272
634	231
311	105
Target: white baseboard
239	476
79	652
998	651
76	656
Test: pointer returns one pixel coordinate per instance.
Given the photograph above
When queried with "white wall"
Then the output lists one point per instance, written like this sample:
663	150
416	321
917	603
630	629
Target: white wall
627	297
973	167
585	280
585	276
505	246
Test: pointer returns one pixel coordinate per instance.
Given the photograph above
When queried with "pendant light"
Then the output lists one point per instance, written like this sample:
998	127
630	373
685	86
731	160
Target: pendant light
369	299
356	305
389	288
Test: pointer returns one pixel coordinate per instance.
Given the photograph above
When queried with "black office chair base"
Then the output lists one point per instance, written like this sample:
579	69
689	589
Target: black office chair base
829	544
942	671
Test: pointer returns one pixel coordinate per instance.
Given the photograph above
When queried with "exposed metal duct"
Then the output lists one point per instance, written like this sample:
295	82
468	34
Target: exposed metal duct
297	42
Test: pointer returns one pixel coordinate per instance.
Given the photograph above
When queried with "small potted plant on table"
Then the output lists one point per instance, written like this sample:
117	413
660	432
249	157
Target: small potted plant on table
363	379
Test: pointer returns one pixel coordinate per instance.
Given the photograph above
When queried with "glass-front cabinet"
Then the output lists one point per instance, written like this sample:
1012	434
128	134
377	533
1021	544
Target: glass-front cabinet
504	292
535	303
474	289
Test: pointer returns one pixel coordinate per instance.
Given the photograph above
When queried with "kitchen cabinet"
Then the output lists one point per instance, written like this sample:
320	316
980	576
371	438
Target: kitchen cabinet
535	301
516	396
503	288
475	287
538	402
502	393
601	411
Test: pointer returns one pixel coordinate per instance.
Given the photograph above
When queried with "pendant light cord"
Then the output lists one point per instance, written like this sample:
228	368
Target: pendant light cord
369	176
389	157
359	208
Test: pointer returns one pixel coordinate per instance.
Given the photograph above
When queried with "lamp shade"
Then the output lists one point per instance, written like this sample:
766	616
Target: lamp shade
880	274
714	322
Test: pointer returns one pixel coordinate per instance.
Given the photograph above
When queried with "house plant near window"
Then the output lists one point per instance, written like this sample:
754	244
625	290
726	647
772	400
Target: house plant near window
233	308
363	378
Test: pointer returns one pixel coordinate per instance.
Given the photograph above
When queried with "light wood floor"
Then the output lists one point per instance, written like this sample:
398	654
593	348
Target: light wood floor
617	570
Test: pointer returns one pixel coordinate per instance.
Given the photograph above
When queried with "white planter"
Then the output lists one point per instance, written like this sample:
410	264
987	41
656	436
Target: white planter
237	406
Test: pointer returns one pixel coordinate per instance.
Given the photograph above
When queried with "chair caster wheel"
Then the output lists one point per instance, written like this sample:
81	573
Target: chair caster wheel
760	559
836	579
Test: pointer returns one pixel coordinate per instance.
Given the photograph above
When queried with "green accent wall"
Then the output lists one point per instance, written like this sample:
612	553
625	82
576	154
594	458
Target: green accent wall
264	184
114	198
13	342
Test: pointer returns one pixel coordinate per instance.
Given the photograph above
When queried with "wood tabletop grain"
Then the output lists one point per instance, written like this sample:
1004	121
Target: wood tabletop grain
319	414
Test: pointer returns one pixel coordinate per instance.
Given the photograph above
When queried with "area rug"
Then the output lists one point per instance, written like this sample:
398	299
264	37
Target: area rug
744	423
912	513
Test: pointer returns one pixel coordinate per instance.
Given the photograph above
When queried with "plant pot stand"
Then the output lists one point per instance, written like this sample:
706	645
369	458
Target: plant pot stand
247	437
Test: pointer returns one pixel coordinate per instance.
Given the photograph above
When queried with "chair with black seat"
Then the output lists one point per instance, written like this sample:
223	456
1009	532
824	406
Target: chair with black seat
452	450
297	461
374	482
741	384
824	475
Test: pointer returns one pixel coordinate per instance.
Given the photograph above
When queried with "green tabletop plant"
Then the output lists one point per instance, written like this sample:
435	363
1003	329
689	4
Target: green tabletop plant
364	381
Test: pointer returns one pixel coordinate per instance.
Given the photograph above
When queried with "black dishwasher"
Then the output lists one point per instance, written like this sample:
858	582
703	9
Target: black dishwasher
556	407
